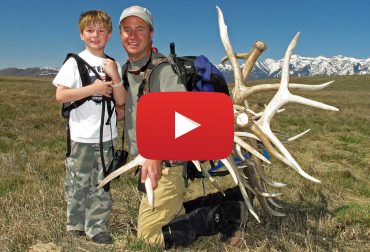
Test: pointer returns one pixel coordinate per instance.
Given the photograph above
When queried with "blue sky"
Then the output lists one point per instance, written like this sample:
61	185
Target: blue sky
41	33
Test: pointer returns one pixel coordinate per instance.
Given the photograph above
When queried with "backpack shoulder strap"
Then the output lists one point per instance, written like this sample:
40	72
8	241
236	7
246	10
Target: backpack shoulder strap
109	57
148	72
124	75
84	73
153	65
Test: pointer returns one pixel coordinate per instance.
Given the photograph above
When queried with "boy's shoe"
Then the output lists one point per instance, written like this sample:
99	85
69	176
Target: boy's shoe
75	233
103	238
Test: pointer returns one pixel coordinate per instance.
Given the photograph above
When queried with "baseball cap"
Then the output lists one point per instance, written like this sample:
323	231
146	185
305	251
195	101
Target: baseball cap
137	11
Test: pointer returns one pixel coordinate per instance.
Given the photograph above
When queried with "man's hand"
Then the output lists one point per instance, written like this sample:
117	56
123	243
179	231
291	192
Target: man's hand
153	169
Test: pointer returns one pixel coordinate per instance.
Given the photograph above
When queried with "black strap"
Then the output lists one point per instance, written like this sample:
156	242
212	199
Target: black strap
68	148
124	75
82	63
101	145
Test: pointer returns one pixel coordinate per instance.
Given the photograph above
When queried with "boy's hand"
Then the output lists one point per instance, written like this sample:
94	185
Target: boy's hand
111	69
102	88
153	169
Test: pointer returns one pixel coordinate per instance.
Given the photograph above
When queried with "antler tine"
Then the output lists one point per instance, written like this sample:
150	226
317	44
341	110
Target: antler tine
261	173
297	136
230	161
282	97
259	169
139	160
251	58
199	167
149	191
239	87
230	169
245	134
237	55
250	149
275	86
238	151
250	171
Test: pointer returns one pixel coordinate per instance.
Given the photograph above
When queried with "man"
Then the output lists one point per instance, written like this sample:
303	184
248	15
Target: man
169	223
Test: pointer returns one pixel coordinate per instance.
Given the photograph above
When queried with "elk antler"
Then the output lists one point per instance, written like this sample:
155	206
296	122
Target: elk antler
259	123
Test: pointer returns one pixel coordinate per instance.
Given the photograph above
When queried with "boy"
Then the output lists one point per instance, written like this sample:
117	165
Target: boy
88	208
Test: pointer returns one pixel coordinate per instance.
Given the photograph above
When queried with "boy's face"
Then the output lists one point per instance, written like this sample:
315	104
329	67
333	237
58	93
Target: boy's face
95	37
136	37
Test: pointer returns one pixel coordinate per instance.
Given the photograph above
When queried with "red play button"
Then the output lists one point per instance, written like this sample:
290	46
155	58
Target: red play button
185	126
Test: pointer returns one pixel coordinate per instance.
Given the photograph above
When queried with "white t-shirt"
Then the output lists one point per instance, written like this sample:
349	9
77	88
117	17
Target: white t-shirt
84	121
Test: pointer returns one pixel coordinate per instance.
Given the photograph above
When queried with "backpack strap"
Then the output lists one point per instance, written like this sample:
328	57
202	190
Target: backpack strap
83	69
145	84
124	75
82	64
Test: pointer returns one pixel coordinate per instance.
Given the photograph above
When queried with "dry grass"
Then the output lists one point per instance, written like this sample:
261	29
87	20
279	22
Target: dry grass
331	216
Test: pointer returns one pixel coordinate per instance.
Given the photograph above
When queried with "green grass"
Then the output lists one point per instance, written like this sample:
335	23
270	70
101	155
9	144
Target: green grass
330	216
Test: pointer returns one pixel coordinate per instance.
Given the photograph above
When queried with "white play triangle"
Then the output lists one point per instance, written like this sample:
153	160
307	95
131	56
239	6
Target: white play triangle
183	125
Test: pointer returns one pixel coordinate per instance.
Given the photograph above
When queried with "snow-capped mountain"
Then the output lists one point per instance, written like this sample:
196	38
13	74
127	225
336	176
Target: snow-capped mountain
269	68
32	71
305	66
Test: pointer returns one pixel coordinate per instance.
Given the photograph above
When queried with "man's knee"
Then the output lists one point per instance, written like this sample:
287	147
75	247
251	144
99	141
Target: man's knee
151	234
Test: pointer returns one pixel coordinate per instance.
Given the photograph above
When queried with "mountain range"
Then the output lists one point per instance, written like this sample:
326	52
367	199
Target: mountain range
267	69
32	71
304	66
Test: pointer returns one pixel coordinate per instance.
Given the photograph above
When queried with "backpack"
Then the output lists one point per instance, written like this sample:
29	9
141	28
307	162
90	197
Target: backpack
86	79
197	73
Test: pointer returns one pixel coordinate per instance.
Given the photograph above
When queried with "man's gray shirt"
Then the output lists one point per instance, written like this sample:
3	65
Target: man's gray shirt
162	79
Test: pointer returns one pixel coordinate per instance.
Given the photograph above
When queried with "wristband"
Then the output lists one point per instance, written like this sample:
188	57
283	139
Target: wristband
117	85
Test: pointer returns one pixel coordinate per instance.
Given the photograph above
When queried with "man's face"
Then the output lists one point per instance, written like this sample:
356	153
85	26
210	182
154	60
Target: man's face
95	37
136	37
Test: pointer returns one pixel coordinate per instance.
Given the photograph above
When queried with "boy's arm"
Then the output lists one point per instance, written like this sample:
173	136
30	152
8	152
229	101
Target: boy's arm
65	94
113	70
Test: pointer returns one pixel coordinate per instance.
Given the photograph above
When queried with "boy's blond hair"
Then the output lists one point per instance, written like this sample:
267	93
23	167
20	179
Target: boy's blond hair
94	17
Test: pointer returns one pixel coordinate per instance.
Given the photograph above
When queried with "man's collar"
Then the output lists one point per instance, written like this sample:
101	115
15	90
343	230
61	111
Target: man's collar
136	67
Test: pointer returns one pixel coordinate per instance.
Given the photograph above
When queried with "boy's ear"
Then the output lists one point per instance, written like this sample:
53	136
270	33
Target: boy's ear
81	37
110	34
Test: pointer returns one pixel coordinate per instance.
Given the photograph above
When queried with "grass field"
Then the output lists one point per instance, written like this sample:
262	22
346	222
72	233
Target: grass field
331	216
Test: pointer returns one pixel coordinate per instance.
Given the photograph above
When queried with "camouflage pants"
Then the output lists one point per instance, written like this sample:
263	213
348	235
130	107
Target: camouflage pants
88	208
